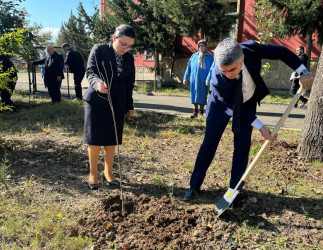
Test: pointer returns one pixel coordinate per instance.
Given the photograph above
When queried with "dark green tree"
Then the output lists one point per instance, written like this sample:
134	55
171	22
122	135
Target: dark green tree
81	31
153	26
159	22
209	17
11	17
302	17
305	17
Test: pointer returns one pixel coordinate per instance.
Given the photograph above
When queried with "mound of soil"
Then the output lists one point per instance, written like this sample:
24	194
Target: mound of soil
149	223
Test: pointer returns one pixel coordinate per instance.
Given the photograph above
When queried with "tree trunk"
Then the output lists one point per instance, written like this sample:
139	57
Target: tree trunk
309	42
173	63
311	143
157	67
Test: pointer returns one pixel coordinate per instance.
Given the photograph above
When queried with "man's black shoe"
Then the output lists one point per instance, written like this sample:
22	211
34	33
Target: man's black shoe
190	194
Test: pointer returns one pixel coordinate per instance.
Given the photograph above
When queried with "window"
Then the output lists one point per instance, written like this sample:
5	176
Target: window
149	55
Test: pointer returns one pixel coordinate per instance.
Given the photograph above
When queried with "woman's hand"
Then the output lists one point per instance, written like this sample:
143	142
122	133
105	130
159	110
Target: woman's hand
185	82
266	134
102	87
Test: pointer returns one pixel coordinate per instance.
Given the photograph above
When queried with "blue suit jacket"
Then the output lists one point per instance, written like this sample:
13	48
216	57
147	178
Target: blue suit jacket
223	88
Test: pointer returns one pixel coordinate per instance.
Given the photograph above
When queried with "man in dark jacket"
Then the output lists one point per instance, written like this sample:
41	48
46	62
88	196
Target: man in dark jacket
237	88
54	72
74	62
6	66
295	76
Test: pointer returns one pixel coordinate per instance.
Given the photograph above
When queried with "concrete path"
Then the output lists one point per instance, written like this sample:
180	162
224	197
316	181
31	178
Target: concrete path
269	114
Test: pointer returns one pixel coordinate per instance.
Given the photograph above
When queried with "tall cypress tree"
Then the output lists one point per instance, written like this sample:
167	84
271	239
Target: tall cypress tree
81	31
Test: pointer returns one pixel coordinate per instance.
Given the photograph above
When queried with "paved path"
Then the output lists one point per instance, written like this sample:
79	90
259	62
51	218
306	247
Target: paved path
269	114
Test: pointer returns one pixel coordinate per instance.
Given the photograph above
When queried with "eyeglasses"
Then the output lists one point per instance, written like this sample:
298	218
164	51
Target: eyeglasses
230	70
124	45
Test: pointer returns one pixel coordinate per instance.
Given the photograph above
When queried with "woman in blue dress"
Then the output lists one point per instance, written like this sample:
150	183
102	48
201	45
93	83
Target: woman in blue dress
196	72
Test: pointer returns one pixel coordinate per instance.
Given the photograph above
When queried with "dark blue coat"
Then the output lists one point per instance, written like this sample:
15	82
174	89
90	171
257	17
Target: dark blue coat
254	53
121	86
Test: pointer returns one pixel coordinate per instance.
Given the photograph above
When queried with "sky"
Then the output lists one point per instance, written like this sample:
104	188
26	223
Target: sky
52	13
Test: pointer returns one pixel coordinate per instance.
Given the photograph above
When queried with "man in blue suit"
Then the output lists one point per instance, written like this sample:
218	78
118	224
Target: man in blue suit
237	87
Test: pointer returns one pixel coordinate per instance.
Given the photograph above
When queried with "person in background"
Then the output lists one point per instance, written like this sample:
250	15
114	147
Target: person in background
6	66
197	70
237	88
294	78
110	72
75	64
54	65
42	67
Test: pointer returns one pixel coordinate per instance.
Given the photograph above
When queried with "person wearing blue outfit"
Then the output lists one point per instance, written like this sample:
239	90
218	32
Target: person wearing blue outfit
237	87
197	71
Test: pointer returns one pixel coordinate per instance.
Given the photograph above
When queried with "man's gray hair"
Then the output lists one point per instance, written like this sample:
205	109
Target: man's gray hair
228	52
50	47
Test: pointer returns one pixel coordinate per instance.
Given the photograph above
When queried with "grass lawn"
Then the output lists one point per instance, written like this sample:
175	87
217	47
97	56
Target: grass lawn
45	203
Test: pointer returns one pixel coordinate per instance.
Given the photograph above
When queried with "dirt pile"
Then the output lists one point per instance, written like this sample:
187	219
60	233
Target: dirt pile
150	223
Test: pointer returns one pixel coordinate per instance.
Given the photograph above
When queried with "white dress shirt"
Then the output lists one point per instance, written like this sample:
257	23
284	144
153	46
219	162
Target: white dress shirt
248	89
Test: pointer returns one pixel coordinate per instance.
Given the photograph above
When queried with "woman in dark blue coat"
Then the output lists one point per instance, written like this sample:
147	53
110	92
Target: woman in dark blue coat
111	74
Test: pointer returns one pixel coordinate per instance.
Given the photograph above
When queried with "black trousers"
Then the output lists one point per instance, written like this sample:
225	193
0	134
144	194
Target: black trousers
78	77
216	122
54	89
294	88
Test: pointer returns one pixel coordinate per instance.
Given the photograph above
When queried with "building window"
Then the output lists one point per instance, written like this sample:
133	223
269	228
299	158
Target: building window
149	55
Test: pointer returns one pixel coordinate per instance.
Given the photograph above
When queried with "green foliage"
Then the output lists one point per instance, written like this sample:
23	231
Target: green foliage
302	17
4	165
159	23
255	149
153	26
11	18
265	69
82	31
14	43
39	37
265	16
208	17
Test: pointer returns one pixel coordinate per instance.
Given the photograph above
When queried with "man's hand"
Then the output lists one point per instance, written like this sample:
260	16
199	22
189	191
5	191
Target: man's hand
306	80
131	113
207	83
185	82
59	78
102	87
266	134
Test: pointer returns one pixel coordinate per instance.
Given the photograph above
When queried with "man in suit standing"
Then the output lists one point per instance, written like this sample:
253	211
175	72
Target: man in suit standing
237	88
75	64
54	72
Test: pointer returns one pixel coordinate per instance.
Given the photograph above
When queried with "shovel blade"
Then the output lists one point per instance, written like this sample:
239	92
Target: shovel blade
226	200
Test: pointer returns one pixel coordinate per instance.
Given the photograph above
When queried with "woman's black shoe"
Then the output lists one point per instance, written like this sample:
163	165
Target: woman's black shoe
113	184
93	186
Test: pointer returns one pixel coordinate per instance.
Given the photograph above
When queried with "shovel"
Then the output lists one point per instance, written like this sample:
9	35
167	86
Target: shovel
231	194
